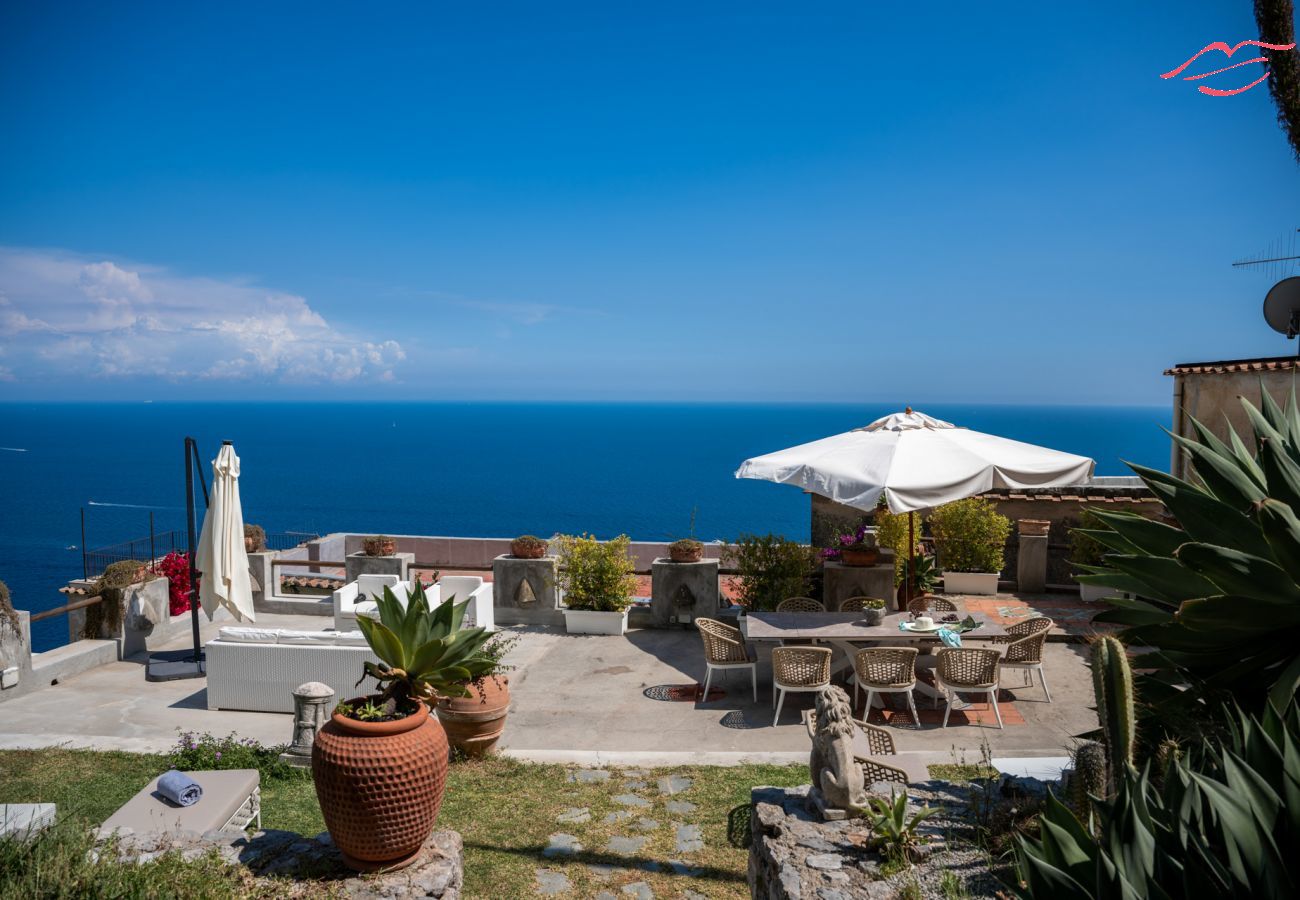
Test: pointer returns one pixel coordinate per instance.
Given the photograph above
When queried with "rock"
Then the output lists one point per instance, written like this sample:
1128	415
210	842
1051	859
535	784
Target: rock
689	838
646	825
588	776
680	807
636	785
618	815
574	816
632	800
549	882
684	868
640	890
625	846
824	861
600	870
562	845
674	784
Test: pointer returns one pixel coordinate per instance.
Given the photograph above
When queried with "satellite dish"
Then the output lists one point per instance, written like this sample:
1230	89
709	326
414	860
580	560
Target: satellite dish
1282	306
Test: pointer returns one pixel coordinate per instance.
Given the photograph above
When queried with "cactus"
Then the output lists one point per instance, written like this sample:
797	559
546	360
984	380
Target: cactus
1112	680
1090	779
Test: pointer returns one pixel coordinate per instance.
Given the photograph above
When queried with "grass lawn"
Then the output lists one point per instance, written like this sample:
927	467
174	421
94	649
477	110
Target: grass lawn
504	809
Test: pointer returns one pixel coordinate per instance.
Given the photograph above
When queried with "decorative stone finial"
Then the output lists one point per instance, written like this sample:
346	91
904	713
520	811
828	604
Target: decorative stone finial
312	704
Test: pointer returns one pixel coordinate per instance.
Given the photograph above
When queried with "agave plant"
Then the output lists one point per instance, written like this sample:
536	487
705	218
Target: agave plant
424	654
1216	594
1219	826
892	830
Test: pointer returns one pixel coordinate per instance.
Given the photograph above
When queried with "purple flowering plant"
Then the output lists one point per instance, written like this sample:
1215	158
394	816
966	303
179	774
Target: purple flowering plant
861	539
196	751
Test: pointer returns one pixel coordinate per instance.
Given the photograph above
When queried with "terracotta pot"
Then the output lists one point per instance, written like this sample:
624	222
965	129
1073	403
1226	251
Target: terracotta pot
685	554
380	786
863	556
474	724
527	551
373	547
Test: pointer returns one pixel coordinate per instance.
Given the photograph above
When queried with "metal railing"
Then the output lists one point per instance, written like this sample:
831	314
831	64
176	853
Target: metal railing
145	549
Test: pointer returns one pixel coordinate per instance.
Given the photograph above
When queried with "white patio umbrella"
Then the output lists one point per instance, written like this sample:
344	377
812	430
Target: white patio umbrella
915	462
221	556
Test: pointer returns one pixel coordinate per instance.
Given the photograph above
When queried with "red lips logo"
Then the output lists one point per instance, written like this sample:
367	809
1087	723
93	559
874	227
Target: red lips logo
1228	51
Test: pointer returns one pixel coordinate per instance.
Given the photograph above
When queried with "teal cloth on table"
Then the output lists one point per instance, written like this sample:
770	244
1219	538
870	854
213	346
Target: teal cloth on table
949	637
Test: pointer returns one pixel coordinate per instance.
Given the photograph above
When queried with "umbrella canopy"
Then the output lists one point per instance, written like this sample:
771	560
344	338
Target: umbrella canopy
221	556
917	462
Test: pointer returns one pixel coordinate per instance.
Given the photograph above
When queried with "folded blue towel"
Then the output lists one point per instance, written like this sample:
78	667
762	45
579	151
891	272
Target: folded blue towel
179	788
949	637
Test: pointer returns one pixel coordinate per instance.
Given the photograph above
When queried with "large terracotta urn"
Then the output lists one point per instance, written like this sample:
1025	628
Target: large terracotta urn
380	786
474	724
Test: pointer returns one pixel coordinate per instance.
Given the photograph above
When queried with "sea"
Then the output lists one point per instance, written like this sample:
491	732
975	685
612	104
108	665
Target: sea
652	471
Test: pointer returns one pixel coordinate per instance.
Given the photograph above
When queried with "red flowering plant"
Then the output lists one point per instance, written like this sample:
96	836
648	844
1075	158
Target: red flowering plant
861	539
175	567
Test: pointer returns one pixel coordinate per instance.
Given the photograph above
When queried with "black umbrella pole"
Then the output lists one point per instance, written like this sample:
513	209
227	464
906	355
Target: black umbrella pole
191	460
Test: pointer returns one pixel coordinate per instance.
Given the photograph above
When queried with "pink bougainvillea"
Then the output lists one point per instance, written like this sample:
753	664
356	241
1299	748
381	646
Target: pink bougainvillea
175	567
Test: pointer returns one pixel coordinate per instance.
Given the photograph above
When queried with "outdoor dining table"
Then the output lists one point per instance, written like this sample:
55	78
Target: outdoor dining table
844	630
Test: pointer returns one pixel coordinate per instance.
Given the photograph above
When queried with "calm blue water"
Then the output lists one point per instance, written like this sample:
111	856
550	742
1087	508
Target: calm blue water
458	469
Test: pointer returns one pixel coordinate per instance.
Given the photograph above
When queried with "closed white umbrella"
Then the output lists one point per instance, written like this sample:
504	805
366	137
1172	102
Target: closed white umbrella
916	462
221	556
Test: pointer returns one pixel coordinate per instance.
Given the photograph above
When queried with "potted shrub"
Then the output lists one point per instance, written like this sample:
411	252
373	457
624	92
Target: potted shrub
254	539
1087	551
873	611
104	619
380	763
686	550
924	575
598	581
858	548
892	531
379	545
474	723
971	536
770	568
528	546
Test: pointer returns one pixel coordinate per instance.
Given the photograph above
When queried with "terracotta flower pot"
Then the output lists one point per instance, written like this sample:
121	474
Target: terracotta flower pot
474	724
380	786
373	547
685	554
861	556
527	550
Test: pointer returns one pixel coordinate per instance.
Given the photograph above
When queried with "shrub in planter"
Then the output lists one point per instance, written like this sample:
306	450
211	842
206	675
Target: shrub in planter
856	548
686	550
379	545
105	617
971	536
9	622
175	567
770	568
254	538
891	532
528	546
596	577
380	763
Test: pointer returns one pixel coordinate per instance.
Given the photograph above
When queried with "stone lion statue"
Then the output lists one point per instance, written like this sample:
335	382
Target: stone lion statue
835	773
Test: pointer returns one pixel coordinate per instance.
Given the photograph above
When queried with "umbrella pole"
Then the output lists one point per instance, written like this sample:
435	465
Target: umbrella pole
911	557
172	665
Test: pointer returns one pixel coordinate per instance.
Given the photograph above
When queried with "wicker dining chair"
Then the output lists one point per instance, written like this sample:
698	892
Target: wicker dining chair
799	605
725	649
1025	641
856	604
800	670
969	670
933	604
885	670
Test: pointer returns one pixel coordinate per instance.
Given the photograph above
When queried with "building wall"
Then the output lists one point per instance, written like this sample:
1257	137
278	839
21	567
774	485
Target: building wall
1212	399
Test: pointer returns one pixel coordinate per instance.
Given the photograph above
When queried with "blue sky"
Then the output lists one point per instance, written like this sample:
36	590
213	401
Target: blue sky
958	202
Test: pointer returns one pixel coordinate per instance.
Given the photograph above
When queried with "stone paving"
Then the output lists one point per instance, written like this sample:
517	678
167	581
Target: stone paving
634	834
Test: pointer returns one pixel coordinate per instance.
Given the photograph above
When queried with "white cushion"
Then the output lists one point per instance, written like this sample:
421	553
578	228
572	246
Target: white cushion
351	639
244	635
318	638
369	609
369	585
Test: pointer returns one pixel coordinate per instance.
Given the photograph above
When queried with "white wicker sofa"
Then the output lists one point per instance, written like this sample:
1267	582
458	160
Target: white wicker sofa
258	668
358	598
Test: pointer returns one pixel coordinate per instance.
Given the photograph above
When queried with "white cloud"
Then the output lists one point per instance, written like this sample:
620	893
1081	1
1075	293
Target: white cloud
65	313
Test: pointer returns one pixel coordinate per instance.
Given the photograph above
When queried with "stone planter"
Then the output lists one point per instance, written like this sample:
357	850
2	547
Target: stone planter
591	621
474	724
873	616
982	583
380	786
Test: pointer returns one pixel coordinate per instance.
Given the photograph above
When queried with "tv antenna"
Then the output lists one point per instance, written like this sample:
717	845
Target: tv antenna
1282	307
1281	257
